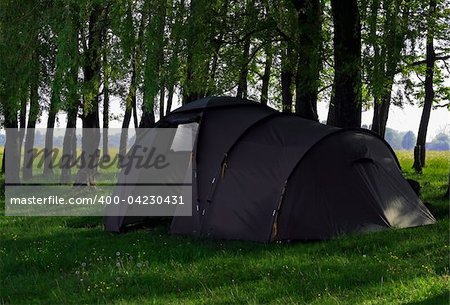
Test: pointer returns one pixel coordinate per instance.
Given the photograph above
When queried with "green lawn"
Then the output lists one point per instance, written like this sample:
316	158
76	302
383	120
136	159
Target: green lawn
63	260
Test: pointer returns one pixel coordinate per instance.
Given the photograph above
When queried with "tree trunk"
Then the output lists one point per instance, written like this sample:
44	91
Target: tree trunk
170	99
243	74
242	89
106	122
346	100
394	33
136	59
28	154
162	96
381	114
72	104
22	121
287	75
91	121
309	57
196	50
130	101
48	150
147	119
3	162
153	63
70	140
11	151
214	63
124	132
105	113
266	75
429	91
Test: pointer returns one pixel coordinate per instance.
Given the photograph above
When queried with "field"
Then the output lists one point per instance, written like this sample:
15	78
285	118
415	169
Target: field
70	260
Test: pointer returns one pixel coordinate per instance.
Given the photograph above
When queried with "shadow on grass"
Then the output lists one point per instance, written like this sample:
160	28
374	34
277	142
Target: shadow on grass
84	222
443	298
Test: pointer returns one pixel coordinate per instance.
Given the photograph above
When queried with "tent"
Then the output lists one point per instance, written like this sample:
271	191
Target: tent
262	175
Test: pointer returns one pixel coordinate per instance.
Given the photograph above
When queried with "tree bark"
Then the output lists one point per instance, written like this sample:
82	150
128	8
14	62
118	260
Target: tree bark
243	74
162	96
3	162
394	33
346	101
147	119
22	120
130	101
48	150
152	74
266	75
105	108
214	63
287	75
70	140
124	132
196	46
429	90
242	89
381	114
28	154
91	121
11	151
309	42
72	101
170	99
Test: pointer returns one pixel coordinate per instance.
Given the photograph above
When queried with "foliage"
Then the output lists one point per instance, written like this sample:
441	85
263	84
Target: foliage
394	138
413	68
440	142
409	140
197	46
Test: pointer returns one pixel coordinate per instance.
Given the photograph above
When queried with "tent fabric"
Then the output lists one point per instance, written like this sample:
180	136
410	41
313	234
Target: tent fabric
262	175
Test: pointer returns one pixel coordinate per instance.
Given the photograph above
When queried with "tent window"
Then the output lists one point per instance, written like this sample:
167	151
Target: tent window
184	137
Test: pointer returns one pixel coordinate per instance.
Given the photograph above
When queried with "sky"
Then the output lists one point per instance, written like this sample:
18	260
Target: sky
404	119
401	119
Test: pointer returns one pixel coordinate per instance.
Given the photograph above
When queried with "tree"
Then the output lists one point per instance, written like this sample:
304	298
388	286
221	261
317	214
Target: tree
345	107
419	153
383	54
287	75
106	88
17	44
266	75
242	89
440	142
408	141
394	138
91	70
308	45
154	43
27	170
68	58
136	50
197	50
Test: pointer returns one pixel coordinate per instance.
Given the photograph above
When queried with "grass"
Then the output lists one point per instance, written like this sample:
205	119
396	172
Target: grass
70	260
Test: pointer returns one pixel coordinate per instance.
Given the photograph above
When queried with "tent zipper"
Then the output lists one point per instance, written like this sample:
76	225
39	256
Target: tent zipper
276	213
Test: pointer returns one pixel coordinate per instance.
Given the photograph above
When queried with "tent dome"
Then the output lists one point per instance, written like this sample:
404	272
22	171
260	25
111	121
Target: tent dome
263	175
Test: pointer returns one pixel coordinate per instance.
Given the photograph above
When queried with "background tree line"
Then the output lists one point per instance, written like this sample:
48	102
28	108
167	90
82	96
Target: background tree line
78	57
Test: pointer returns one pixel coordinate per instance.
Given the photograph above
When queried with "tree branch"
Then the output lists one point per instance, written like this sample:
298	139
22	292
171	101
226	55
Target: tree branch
441	106
325	88
422	62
